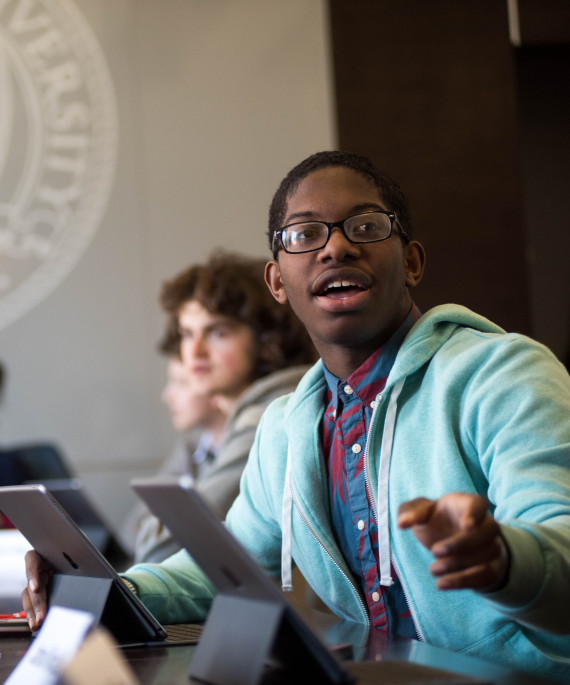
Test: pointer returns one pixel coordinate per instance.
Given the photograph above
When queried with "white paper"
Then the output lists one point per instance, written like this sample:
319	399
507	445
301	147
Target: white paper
13	548
57	642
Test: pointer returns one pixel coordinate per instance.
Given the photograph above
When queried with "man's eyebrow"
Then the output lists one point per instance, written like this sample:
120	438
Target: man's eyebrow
300	215
309	214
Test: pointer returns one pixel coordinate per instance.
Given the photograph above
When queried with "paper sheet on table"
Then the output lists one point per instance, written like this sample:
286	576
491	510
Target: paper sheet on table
57	642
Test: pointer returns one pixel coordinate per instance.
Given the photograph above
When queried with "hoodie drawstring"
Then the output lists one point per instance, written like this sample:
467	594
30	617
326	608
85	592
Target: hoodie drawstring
383	475
286	511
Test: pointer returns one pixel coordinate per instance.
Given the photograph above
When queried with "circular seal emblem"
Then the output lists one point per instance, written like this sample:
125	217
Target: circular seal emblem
58	146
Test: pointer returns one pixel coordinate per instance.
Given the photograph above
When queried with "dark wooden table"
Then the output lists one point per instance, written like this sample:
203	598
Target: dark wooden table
169	666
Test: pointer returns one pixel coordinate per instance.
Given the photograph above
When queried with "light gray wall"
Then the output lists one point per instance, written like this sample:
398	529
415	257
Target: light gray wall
215	102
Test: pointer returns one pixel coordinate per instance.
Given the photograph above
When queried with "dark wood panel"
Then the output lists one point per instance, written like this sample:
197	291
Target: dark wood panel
544	106
428	91
544	22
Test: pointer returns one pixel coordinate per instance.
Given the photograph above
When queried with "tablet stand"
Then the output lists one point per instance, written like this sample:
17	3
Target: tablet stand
100	597
244	635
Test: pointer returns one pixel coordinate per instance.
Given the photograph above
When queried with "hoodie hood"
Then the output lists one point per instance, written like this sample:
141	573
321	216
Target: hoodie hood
430	332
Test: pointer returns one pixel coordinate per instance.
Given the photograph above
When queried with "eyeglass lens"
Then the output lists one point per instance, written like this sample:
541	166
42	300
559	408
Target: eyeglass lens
363	228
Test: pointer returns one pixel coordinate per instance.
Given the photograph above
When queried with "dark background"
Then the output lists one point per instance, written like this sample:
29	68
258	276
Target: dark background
475	128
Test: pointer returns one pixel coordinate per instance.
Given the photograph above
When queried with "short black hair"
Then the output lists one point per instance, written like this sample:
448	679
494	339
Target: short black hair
389	190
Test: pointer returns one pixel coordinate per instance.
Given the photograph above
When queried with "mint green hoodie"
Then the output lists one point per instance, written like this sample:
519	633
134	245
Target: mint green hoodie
466	408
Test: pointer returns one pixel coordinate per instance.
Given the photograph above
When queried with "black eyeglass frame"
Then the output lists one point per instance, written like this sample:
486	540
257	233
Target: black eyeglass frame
340	224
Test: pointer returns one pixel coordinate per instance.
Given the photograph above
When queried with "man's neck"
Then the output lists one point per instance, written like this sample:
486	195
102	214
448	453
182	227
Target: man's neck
216	427
343	360
226	403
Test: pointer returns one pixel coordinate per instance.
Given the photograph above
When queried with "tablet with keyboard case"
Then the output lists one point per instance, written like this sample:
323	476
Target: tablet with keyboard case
83	579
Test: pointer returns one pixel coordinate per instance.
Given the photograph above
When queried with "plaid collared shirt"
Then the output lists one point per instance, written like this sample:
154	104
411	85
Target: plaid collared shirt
344	430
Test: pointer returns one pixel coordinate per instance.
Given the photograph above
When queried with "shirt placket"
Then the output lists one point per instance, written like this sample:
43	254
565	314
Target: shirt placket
364	527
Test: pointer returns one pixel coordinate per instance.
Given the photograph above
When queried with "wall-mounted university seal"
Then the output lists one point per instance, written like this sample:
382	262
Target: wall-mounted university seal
58	147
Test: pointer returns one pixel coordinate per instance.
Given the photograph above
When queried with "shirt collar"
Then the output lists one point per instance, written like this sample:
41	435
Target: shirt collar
376	367
206	449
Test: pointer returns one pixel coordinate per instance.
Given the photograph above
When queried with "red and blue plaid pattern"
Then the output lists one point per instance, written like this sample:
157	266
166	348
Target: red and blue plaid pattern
344	430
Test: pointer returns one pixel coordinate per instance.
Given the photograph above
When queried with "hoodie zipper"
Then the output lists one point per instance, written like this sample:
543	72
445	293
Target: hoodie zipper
412	612
373	503
330	555
366	468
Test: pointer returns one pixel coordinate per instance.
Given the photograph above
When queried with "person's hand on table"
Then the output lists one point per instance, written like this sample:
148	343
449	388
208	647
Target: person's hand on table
464	538
34	595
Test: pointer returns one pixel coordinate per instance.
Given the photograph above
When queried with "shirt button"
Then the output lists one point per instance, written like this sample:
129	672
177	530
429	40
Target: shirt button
357	449
334	414
348	390
373	404
361	525
375	597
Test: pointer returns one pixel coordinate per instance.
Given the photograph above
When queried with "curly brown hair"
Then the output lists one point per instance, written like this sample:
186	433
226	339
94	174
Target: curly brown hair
233	285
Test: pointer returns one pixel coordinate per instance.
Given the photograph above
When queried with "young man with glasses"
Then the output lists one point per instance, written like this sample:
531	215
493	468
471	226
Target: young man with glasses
441	423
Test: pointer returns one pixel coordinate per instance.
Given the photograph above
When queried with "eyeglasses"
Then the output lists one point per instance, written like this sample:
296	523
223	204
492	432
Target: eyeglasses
308	236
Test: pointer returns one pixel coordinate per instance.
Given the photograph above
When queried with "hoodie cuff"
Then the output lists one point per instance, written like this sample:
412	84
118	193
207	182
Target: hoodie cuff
526	571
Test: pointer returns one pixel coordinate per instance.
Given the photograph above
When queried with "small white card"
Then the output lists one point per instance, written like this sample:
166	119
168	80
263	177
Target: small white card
13	547
57	642
99	662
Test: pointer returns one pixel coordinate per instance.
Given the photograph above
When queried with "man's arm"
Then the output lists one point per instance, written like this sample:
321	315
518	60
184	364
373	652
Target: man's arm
174	591
515	417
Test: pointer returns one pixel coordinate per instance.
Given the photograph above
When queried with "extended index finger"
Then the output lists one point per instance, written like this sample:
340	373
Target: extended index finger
415	512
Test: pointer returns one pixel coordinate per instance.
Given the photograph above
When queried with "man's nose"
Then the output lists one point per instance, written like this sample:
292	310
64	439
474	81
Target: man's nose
339	247
197	347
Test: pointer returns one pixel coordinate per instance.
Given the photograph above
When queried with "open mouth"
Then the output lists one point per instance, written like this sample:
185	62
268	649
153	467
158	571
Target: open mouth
341	289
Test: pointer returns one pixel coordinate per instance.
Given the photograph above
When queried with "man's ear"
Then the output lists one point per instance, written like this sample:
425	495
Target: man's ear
415	261
274	282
